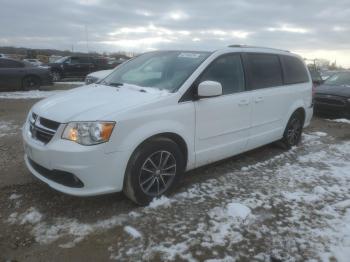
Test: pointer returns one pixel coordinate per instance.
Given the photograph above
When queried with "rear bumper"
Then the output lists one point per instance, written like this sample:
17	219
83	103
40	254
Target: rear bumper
308	116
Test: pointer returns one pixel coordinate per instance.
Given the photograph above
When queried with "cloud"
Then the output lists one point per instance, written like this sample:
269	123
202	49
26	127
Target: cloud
138	26
289	29
176	15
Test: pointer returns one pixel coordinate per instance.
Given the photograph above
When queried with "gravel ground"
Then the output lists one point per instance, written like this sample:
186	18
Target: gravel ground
264	205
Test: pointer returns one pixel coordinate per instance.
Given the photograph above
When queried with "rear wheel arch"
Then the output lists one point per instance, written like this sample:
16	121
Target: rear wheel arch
294	128
302	113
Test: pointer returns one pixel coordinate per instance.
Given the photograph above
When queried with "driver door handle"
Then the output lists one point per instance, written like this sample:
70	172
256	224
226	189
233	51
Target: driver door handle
243	102
258	99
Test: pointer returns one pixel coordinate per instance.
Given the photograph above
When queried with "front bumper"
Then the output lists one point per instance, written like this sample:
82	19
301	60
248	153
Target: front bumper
332	106
98	171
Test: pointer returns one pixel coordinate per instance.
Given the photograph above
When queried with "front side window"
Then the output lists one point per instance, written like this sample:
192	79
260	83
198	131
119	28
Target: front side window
294	70
164	70
228	71
74	60
85	60
264	71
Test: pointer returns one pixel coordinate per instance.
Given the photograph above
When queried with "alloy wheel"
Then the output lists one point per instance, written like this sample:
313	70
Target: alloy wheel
56	76
157	173
294	131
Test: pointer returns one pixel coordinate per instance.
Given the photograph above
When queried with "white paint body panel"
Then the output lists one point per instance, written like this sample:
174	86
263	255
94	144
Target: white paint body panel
212	128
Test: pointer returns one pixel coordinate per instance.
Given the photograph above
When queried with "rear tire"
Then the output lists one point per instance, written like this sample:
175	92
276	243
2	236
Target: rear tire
154	169
31	83
293	131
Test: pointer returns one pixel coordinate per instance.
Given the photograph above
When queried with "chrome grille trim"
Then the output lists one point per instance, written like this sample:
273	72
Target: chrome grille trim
39	131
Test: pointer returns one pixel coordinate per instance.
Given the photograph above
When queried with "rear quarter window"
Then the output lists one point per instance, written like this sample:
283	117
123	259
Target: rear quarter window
264	70
294	70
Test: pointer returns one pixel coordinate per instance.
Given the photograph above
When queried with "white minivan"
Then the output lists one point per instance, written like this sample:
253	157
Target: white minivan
163	113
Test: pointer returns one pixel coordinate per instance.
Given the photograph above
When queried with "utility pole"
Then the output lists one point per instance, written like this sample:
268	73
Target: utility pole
87	38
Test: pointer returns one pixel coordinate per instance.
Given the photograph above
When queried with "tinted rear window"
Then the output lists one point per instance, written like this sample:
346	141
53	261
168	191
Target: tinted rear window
264	70
294	70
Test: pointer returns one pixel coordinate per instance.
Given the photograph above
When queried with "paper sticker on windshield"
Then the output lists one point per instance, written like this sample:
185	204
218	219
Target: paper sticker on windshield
189	55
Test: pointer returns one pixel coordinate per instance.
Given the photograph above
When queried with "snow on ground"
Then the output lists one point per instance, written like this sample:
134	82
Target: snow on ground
15	196
162	201
70	83
293	207
132	232
340	120
46	233
8	128
33	94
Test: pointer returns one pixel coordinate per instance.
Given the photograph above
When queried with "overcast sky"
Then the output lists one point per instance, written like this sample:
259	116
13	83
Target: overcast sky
312	28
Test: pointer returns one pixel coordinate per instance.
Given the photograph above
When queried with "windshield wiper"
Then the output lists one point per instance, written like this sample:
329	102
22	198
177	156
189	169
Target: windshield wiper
114	84
110	84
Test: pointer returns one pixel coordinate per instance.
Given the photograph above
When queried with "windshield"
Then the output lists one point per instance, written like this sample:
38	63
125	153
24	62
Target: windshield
61	60
164	70
339	79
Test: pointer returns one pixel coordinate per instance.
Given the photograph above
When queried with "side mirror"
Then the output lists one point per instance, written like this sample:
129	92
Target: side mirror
209	89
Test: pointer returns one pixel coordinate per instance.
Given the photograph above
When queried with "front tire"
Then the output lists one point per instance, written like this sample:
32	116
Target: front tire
31	83
293	131
56	76
155	168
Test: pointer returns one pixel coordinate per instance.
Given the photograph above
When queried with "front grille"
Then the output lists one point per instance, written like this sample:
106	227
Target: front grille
42	129
330	100
58	176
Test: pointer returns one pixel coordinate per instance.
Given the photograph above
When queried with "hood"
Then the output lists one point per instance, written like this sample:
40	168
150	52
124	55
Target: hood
94	102
100	74
333	90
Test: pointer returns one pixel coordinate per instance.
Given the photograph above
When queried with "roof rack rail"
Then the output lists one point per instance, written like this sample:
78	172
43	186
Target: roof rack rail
249	46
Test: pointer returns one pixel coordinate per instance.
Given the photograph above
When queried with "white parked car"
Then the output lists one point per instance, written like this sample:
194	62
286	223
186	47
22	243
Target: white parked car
97	76
163	113
34	62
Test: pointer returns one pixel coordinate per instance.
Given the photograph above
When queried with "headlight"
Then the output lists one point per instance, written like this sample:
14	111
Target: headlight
90	80
88	133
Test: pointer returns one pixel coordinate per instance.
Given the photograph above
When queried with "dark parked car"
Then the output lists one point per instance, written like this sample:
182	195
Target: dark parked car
76	66
332	98
21	75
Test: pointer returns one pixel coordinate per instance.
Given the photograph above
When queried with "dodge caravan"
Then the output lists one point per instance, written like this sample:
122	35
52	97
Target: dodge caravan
163	113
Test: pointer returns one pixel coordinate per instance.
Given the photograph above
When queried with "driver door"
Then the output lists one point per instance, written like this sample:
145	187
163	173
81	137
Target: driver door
223	123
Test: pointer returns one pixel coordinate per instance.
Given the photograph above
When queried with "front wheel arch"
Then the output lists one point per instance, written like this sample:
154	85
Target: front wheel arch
128	187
